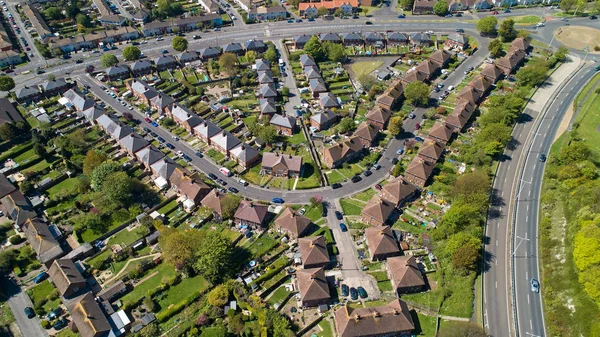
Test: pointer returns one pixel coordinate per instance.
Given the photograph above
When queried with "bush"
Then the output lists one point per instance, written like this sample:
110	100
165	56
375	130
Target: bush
46	324
16	239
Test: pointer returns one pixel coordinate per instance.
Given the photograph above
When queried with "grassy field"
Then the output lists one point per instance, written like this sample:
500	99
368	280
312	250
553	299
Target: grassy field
69	185
351	207
578	37
365	67
326	329
41	292
181	291
365	195
526	20
278	296
424	325
164	271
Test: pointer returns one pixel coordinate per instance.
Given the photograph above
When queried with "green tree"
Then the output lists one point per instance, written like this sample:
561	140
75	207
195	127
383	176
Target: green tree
487	26
367	81
118	188
250	56
8	131
406	4
495	47
131	53
6	83
72	10
338	12
459	240
219	296
180	43
561	54
7	257
462	329
417	93
335	52
397	170
532	75
507	31
314	48
92	160
227	62
322	11
365	10
84	20
567	5
179	248
230	204
465	258
101	172
214	257
440	8
53	13
94	222
346	125
150	330
40	150
524	34
271	54
575	152
108	60
395	125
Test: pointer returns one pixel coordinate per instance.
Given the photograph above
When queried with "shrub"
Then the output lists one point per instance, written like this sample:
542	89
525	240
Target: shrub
45	324
16	239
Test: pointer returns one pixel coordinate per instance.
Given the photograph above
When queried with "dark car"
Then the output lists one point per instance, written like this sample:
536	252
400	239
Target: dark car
165	51
417	126
507	10
147	130
324	213
212	176
170	146
542	157
458	15
232	190
153	134
339	215
29	312
79	61
362	292
401	16
336	186
186	157
378	187
345	290
277	200
343	227
368	23
460	30
367	173
376	166
394	161
356	179
199	154
54	314
221	181
593	17
40	277
449	15
39	72
353	294
61	323
161	139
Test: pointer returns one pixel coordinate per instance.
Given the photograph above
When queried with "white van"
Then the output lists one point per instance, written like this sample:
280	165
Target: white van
225	171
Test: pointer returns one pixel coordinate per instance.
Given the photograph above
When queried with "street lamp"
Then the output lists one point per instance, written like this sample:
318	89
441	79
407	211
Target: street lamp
587	51
520	242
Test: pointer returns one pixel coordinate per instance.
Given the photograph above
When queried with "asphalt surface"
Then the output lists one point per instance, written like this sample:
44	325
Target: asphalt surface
18	300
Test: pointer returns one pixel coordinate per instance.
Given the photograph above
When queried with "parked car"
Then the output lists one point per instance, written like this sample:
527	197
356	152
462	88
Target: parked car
277	200
362	292
401	16
353	294
29	312
394	161
233	190
345	290
400	151
507	10
165	51
54	314
378	187
593	17
343	227
417	126
535	285
412	115
153	134
186	157
367	173
146	130
170	146
336	186
311	19
61	323
40	277
339	215
376	166
148	120
356	179
460	30
154	124
160	139
199	154
221	181
212	176
243	182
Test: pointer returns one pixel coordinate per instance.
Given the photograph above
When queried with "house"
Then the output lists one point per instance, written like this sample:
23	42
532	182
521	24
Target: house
117	73
423	7
405	274
441	57
206	130
37	21
384	75
214	201
245	155
183	24
66	277
27	94
366	134
184	117
377	211
132	143
398	191
255	45
141	90
456	41
160	102
461	115
300	40
511	61
209	53
149	155
317	86
312	72
88	317
10	58
267	106
267	90
392	319
429	68
187	57
164	168
42	241
265	77
262	65
6	187
415	75
312	287
307	61
234	48
374	38
263	13
483	5
330	37
328	100
280	165
344	151
285	125
79	100
310	9
323	120
398	38
193	189
431	151
140	68
17	207
441	133
245	4
313	251
388	100
292	223
9	113
381	242
113	292
418	171
378	116
421	38
224	142
520	43
165	62
251	214
54	87
469	94
350	39
210	6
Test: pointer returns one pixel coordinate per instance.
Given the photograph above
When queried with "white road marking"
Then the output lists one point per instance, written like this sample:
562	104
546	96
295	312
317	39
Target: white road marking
526	218
505	180
530	325
496	284
527	298
526	275
529	193
527	207
498	224
496	243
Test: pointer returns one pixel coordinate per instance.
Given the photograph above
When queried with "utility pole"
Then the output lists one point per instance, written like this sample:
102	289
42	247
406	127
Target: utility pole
519	244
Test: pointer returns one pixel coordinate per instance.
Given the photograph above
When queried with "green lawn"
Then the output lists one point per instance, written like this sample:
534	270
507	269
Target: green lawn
326	329
69	184
278	296
165	271
168	207
215	155
126	237
309	178
186	288
365	195
362	68
25	157
41	292
260	246
313	213
526	20
424	325
335	177
350	207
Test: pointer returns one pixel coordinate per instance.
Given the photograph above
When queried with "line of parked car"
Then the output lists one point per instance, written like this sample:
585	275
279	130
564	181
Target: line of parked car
354	293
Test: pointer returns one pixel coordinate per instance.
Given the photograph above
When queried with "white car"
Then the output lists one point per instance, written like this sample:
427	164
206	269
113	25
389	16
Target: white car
179	153
175	137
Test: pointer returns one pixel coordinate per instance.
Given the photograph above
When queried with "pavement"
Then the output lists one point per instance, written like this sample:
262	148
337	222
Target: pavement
18	300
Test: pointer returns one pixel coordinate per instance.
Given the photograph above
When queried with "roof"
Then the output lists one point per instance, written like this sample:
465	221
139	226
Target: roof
481	83
469	94
307	60
378	209
93	113
189	55
140	65
251	212
512	59
80	101
232	48
441	131
302	38
379	114
459	38
244	153
520	43
41	240
181	113
63	273
133	142
265	76
397	190
207	129
116	70
396	36
374	36
331	37
192	188
292	222
270	159
118	131
351	37
262	64
312	72
264	10
382	320
254	44
415	75
6	187
149	155
267	90
164	167
312	284
213	200
8	112
88	316
404	271
366	131
54	84
267	106
421	37
328	100
115	289
163	60
381	241
420	168
344	149
27	91
431	149
327	4
492	71
225	140
440	56
210	51
17	206
317	85
324	117
162	101
313	250
283	121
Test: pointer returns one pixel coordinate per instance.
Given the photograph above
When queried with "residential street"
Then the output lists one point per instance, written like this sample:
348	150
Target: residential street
18	301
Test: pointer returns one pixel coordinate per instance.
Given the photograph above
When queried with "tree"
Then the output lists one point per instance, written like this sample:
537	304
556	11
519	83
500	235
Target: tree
487	26
180	43
495	48
179	248
417	93
72	10
365	10
6	83
507	30
271	54
461	329
216	331
229	205
26	187
567	5
227	62
460	240
202	320
92	160
406	4
440	8
102	171
338	12
8	131
524	34
285	91
150	304
219	296
108	60
7	258
214	257
346	125
397	170
84	20
323	11
250	56
118	188
94	222
561	54
40	150
131	53
367	81
532	75
314	48
51	77
150	330
465	258
53	13
335	52
395	125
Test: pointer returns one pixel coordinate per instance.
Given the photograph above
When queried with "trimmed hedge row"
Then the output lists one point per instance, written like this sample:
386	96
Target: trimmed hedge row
176	308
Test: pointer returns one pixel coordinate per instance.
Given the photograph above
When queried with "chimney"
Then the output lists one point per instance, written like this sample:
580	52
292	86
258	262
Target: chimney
276	154
396	312
376	313
290	156
357	317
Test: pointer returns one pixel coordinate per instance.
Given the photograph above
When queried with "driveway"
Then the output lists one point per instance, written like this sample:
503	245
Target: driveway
18	301
289	82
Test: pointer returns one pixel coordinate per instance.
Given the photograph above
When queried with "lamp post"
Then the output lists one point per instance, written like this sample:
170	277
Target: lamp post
576	9
587	51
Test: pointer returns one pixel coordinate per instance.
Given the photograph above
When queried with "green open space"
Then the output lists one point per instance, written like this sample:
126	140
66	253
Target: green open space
351	207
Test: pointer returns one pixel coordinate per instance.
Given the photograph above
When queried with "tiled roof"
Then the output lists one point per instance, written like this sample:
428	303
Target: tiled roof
381	241
313	250
385	320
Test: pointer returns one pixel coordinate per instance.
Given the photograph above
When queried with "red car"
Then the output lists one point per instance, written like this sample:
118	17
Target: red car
417	126
378	187
495	12
148	120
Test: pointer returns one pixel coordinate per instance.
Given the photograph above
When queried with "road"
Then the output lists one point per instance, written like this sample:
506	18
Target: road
18	301
37	58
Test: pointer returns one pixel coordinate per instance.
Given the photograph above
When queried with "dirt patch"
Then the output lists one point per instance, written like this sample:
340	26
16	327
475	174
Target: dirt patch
578	37
564	124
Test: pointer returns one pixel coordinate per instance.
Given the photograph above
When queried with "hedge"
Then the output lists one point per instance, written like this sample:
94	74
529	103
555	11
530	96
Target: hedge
176	308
